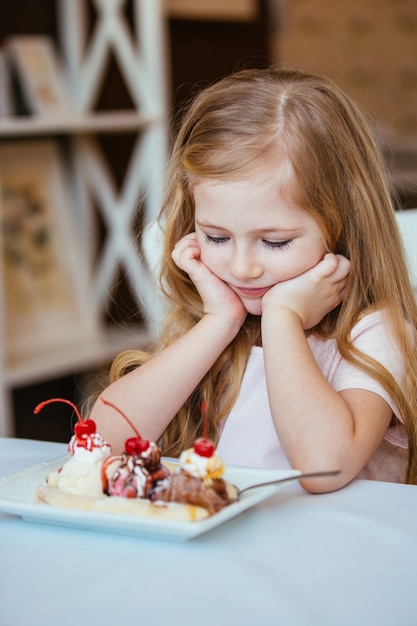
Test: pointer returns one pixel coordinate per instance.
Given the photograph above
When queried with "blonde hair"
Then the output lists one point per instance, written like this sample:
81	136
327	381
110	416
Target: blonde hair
233	128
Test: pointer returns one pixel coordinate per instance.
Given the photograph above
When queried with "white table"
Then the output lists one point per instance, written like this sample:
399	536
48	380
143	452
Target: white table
346	558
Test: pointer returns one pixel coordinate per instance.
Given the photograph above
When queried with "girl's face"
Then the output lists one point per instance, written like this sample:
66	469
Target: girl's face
252	235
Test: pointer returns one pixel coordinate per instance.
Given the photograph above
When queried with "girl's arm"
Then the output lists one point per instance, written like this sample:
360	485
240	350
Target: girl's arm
152	394
319	428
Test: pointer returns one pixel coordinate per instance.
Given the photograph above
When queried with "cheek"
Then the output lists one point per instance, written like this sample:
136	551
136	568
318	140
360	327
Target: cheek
304	263
211	256
299	261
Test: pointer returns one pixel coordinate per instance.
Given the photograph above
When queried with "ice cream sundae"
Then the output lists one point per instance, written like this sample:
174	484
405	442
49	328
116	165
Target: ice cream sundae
136	482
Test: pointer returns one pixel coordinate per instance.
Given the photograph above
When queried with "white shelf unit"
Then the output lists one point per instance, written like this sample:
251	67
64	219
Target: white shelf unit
139	50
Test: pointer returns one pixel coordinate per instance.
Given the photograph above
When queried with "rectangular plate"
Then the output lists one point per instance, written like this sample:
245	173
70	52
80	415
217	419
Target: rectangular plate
17	498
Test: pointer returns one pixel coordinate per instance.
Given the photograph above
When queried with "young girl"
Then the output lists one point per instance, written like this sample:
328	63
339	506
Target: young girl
293	321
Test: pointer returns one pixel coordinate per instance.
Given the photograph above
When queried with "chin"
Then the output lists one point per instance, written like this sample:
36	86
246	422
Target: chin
253	308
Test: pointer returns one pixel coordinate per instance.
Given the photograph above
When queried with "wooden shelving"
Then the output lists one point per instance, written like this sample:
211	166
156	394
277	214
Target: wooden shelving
77	124
139	49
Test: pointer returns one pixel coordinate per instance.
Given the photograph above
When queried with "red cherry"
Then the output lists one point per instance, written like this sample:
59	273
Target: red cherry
136	445
204	447
85	427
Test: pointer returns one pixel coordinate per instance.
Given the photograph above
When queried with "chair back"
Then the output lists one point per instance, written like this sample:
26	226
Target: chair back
407	222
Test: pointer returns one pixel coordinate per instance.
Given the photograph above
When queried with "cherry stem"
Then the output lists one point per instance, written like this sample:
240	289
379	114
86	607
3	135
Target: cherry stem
40	406
116	408
204	418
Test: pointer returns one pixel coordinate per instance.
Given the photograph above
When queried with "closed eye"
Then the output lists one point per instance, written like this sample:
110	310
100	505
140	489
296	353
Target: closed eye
277	244
215	240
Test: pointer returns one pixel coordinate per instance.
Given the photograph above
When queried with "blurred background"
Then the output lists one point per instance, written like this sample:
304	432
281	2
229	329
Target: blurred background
126	68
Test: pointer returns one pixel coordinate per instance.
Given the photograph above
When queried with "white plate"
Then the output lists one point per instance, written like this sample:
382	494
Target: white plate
17	498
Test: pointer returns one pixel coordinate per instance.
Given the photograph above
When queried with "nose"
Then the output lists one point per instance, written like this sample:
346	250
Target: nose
244	264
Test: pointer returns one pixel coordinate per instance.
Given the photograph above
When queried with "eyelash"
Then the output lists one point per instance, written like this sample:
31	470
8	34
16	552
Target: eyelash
217	241
282	245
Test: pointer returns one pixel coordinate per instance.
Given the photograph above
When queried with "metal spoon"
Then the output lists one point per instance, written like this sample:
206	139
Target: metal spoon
289	479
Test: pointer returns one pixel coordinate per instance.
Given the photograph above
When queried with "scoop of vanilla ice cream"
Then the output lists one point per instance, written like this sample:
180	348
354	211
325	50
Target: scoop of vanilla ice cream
81	474
206	468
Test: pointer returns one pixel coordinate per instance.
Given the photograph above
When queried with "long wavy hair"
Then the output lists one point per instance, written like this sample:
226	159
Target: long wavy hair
239	125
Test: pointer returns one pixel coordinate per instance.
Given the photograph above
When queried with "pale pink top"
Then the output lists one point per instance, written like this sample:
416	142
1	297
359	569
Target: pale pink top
248	437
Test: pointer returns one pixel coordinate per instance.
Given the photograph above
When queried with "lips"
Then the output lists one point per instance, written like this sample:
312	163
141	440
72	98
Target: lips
249	292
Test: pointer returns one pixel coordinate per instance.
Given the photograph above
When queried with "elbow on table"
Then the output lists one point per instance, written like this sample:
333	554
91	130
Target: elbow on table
325	484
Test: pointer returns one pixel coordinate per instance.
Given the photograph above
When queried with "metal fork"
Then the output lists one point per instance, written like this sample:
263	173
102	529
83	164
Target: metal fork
289	479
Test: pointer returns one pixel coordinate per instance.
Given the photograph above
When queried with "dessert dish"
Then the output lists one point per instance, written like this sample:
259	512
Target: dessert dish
136	482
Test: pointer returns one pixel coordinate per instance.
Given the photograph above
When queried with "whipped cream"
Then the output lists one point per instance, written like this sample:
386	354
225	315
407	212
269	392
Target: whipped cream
93	444
206	468
81	474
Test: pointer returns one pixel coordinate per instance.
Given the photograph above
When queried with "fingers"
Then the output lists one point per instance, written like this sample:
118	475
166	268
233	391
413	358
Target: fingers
314	293
217	297
187	256
333	264
343	267
186	250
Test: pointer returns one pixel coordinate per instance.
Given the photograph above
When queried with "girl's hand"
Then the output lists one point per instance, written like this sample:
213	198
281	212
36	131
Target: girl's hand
217	297
314	293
